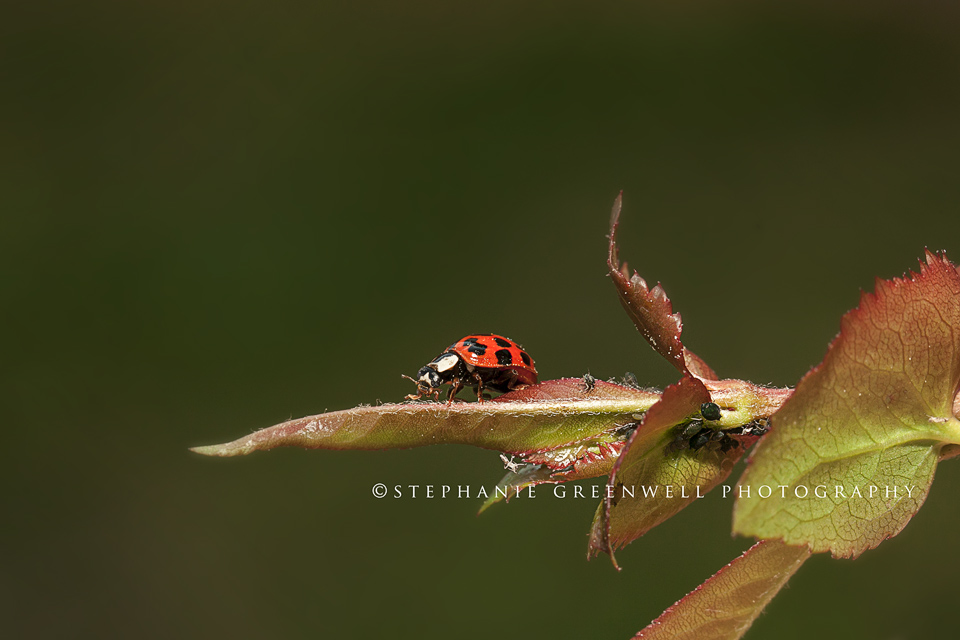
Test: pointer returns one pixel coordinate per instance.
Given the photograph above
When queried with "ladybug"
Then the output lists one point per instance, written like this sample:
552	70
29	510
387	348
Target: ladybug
483	361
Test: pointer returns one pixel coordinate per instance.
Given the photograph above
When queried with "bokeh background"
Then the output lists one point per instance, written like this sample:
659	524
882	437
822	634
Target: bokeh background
217	216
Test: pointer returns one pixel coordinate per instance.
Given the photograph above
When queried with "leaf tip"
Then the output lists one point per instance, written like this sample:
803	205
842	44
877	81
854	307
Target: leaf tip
226	450
613	258
934	256
489	502
615	212
209	450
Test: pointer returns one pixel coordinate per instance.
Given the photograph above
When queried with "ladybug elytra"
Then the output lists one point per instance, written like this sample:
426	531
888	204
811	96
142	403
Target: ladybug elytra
482	361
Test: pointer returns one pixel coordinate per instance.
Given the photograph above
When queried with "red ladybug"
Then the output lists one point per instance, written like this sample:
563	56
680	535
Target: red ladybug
483	361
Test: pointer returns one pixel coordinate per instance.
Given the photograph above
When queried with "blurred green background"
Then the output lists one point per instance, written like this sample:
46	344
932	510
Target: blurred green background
217	216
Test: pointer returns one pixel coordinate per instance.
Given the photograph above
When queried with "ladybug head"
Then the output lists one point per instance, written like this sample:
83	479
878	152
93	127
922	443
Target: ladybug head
442	369
428	378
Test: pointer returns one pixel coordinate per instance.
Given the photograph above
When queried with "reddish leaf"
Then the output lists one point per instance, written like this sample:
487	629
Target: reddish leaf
540	418
696	366
878	412
725	606
651	310
621	519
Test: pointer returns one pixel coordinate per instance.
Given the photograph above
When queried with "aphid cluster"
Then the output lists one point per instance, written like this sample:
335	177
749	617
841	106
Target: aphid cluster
697	433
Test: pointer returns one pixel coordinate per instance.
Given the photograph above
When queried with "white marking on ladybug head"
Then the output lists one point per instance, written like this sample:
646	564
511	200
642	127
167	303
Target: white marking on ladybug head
429	378
446	362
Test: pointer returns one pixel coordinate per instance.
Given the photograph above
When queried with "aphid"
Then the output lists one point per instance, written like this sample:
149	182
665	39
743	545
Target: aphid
624	431
756	428
704	435
700	439
692	429
482	361
510	465
710	411
589	382
630	380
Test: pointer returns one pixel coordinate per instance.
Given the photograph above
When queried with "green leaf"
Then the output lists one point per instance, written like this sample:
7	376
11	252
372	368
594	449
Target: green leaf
725	606
651	310
552	415
867	426
528	475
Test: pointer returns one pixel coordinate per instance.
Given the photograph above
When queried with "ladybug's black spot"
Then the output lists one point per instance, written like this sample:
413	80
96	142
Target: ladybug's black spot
501	342
472	345
504	356
525	358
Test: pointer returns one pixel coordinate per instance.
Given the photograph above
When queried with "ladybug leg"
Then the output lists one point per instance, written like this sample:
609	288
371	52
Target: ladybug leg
455	386
413	396
479	389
